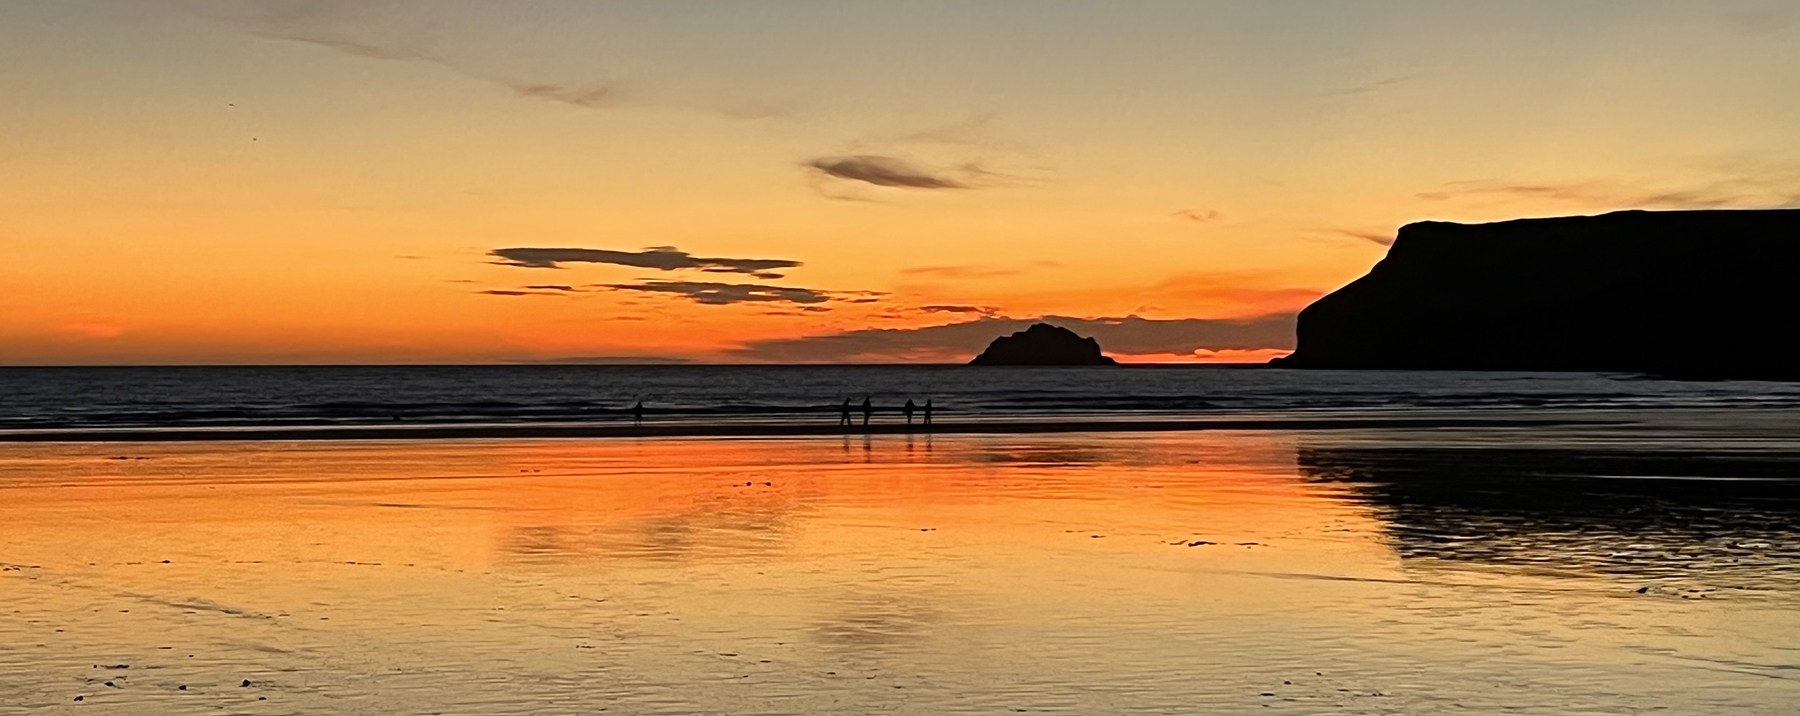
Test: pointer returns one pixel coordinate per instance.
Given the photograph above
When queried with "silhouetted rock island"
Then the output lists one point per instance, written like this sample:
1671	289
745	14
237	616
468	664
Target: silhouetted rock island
1043	344
1703	294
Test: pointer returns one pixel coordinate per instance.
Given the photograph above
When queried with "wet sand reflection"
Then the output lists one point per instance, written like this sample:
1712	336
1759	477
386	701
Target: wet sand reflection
1247	572
1697	523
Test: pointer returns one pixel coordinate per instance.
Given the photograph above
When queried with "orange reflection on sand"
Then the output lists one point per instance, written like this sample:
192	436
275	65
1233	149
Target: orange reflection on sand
818	575
473	503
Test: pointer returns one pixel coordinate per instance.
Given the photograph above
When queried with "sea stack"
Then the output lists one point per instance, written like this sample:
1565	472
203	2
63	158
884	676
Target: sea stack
1701	294
1043	344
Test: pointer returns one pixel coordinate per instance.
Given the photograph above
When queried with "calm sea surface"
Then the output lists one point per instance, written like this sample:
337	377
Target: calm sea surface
63	398
1643	558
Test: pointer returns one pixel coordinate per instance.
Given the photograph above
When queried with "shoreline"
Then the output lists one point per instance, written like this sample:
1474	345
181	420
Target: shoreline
754	430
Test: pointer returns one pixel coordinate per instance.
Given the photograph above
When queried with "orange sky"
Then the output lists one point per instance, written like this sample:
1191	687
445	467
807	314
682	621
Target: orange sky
255	181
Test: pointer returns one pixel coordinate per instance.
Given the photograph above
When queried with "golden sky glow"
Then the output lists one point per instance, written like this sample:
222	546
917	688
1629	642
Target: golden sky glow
316	181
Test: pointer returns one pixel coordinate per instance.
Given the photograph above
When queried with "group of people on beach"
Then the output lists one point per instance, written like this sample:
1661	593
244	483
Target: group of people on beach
868	411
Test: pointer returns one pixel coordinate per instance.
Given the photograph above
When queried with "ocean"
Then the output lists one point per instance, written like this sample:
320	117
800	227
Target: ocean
246	397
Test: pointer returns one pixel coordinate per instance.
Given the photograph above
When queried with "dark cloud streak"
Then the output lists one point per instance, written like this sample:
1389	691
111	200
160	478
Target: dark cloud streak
723	294
661	258
509	292
883	171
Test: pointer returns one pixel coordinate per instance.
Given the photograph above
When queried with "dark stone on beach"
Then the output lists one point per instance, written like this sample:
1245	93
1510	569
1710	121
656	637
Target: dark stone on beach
81	698
1043	344
246	683
1692	294
182	687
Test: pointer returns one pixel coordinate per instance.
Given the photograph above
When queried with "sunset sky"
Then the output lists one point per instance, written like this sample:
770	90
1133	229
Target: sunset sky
448	181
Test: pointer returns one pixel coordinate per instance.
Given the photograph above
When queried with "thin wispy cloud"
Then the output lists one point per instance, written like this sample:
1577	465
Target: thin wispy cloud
1384	238
1374	86
380	32
1768	189
517	292
977	132
976	270
1199	216
660	258
961	271
725	294
579	96
607	360
885	172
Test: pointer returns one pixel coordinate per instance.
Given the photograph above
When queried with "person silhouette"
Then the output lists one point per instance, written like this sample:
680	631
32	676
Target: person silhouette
844	413
927	411
910	407
637	413
868	409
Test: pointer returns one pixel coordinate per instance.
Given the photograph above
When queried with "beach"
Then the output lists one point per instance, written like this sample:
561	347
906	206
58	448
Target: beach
1598	564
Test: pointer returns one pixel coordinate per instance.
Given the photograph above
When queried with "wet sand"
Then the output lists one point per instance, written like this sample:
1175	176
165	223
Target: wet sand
1536	570
763	429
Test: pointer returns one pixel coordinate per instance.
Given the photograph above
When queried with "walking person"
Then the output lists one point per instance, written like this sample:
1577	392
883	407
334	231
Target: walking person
844	413
868	409
927	411
637	413
910	407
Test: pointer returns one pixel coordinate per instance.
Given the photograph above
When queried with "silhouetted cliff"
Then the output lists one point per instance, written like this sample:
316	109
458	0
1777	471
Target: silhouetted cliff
1684	293
1042	344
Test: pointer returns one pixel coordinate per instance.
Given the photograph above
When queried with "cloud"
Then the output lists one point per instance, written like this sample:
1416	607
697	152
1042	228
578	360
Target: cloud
960	271
606	360
511	292
1767	188
1384	238
958	342
1373	86
963	155
552	287
384	31
884	171
975	270
1199	216
661	258
599	96
723	294
985	310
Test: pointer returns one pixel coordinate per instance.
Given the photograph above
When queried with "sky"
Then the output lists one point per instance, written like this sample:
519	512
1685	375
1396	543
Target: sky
452	181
